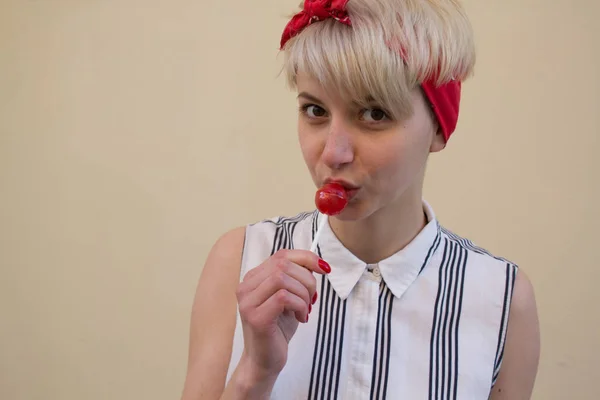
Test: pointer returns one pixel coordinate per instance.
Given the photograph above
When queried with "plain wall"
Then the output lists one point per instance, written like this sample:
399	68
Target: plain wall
133	133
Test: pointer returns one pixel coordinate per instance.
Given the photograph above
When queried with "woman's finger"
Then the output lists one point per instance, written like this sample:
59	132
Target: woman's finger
278	279
275	305
305	277
304	258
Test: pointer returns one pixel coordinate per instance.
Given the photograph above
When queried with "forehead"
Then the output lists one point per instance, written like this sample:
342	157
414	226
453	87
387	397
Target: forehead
309	87
308	84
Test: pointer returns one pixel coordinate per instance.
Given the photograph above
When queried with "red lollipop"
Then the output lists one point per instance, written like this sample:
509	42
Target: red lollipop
331	198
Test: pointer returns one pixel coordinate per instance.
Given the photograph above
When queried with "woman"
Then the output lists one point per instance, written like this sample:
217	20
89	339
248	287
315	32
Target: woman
391	304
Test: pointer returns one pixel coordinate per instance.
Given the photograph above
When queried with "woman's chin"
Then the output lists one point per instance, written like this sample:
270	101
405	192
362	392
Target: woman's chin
354	211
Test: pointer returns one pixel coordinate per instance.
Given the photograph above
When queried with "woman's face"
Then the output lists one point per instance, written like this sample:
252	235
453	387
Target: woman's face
380	161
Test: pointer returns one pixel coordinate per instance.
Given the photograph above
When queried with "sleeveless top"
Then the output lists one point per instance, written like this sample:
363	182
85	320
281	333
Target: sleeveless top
428	322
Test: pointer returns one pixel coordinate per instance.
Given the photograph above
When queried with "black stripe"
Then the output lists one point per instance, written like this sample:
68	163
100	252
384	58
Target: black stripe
335	339
439	354
383	340
315	351
329	347
321	322
315	227
443	337
461	278
458	270
327	353
277	239
377	339
275	246
321	298
433	355
318	345
322	343
444	342
339	359
511	270
278	220
382	347
284	231
327	356
469	245
443	357
432	249
389	342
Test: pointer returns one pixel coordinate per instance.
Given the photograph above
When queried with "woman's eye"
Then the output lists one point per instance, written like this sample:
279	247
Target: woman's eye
314	111
374	115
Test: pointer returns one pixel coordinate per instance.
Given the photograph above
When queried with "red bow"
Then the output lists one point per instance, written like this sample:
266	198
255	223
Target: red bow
313	11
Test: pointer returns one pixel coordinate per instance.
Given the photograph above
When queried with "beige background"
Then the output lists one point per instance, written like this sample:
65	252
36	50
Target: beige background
133	133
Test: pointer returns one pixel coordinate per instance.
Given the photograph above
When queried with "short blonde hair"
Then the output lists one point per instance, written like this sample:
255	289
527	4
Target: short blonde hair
390	49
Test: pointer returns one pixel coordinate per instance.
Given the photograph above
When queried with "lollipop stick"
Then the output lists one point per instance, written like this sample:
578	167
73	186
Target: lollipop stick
315	242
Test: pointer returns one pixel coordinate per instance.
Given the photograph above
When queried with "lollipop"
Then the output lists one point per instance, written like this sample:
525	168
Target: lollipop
330	199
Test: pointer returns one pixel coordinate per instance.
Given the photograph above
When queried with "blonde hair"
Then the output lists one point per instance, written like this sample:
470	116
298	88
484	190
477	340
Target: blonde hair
390	49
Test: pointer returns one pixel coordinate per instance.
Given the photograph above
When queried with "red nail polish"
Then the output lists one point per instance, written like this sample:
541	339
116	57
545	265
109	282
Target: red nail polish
309	308
306	318
314	299
324	266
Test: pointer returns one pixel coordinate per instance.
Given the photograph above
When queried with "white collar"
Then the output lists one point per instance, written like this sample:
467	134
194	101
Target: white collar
398	271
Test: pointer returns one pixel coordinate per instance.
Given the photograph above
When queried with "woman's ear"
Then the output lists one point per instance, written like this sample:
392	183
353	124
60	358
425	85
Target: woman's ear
438	142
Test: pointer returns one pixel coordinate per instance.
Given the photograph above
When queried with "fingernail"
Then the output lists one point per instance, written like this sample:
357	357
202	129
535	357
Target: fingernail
306	317
309	308
314	299
324	266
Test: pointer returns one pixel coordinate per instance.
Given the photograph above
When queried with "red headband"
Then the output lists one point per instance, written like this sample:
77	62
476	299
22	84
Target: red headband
444	99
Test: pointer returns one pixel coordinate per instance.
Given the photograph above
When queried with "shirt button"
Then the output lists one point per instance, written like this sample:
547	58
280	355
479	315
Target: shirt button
376	272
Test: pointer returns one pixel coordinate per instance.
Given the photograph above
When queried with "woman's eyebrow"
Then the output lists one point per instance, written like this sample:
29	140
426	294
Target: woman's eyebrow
309	97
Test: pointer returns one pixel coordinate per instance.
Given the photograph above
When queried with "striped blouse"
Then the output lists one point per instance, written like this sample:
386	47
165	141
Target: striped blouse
429	322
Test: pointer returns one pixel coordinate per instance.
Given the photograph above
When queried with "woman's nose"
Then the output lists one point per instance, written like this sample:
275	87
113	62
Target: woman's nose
338	150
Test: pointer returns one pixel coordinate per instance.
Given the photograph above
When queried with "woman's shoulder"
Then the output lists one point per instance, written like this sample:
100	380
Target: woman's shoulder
266	236
293	224
280	220
263	227
478	253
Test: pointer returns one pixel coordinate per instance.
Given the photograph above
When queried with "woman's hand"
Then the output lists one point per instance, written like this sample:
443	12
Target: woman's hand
273	299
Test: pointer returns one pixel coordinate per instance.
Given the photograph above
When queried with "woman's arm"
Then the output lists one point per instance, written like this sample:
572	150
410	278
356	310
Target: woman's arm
273	299
213	319
522	348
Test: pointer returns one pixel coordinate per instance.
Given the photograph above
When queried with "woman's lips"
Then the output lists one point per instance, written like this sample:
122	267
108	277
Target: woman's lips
347	185
351	189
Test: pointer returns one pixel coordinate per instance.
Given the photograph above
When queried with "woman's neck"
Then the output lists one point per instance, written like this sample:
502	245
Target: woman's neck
383	233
